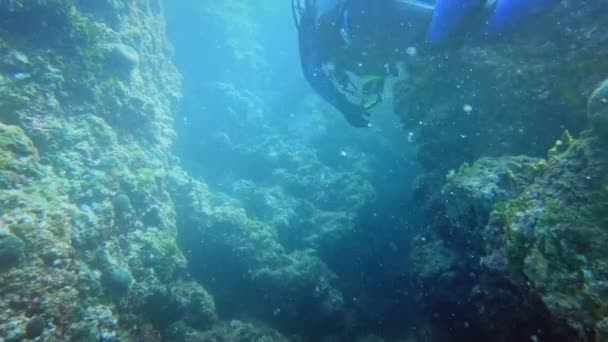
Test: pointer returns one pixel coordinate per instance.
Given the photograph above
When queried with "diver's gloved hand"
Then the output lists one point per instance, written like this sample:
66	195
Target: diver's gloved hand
358	118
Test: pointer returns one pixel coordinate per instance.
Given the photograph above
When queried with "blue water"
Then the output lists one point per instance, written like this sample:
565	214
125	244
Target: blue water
227	139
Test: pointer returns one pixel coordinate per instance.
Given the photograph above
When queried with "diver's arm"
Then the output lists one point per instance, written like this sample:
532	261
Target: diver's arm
320	82
312	60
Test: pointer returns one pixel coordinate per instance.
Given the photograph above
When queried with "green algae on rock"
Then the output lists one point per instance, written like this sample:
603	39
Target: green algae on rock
67	148
543	224
122	204
561	234
474	190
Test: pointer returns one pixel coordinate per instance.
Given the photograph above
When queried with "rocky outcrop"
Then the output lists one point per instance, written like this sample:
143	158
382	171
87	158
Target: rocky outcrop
524	223
554	234
538	224
87	237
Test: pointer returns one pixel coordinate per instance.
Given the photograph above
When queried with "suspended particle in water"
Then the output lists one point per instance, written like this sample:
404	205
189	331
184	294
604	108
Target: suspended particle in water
410	136
467	108
343	153
411	51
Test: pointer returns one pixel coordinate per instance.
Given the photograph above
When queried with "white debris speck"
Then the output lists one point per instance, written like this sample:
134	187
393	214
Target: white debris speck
467	108
20	76
410	136
411	51
343	153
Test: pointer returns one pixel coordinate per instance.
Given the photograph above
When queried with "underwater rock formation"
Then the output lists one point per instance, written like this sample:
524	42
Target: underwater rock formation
537	224
87	229
555	233
228	331
246	268
509	211
475	189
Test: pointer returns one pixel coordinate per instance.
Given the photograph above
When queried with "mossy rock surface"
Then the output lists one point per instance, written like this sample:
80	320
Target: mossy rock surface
556	232
15	142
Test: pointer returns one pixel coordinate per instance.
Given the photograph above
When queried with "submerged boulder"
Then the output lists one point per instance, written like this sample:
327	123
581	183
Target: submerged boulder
471	193
121	59
555	234
35	327
11	251
119	280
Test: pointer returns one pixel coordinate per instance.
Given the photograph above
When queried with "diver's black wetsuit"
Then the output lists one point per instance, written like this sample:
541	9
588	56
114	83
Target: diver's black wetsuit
316	47
360	36
364	36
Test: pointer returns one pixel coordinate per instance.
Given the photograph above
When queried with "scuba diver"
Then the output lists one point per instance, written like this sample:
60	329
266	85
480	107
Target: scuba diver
347	41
